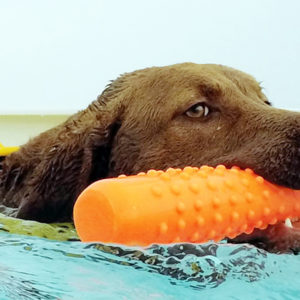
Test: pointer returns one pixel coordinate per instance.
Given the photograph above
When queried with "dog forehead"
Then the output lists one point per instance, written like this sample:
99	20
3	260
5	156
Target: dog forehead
158	92
214	75
202	77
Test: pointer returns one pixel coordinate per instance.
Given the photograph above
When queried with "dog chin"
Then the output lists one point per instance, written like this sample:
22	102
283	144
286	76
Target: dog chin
282	237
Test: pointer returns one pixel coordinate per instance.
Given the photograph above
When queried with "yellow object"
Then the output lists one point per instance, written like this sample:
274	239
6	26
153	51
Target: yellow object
7	150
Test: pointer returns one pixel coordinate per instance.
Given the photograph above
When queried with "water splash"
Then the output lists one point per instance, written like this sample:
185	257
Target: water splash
35	268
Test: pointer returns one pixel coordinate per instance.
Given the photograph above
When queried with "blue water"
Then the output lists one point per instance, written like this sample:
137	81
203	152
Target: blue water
35	268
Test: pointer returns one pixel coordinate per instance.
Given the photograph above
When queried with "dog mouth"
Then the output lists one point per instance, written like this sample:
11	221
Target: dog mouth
292	223
282	237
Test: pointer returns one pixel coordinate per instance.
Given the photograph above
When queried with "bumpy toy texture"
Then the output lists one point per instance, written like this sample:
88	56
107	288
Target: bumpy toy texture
190	205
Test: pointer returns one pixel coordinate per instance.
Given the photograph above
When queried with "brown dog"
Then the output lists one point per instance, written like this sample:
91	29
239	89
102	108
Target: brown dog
175	116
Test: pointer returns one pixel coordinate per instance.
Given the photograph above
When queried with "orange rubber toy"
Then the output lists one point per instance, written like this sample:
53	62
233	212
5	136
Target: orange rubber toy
189	205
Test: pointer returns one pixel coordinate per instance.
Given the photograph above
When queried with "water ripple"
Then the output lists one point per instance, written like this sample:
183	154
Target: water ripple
36	268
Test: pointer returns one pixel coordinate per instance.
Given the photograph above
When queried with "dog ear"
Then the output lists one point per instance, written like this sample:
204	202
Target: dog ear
71	156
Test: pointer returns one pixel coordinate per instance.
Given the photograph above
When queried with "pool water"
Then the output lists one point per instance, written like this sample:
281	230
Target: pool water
37	268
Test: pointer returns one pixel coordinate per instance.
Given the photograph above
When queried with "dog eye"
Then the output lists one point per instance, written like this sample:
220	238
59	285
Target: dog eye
198	110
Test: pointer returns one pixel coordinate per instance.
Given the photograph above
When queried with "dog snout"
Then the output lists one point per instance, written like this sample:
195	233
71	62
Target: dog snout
288	153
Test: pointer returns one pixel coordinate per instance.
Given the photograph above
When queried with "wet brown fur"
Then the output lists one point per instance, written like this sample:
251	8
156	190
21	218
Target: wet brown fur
139	122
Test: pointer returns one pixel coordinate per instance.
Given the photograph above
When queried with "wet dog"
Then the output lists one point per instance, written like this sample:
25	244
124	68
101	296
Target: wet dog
160	117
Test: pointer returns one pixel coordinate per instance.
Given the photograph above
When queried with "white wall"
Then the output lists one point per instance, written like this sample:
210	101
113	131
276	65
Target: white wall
17	129
57	55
